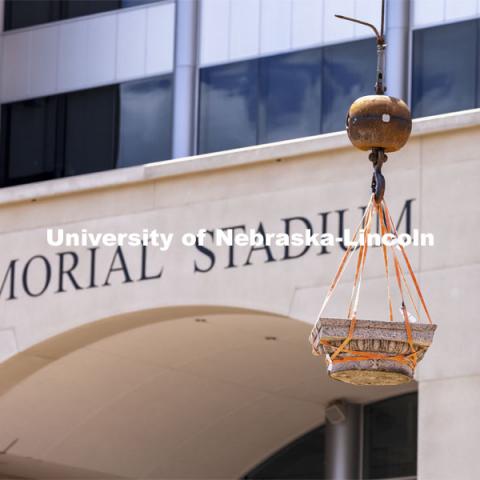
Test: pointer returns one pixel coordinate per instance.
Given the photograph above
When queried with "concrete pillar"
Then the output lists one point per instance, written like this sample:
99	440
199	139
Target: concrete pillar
185	78
342	441
398	47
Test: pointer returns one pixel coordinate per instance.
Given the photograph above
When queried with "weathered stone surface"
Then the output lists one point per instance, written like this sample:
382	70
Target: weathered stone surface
386	373
388	338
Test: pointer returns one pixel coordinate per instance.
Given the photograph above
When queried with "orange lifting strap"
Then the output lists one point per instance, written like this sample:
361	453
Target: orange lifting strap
360	238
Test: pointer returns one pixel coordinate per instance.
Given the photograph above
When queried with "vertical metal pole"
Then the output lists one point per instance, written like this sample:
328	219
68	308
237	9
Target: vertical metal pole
342	444
185	78
398	39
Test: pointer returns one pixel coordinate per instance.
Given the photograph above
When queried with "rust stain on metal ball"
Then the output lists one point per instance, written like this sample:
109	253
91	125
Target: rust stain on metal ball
379	121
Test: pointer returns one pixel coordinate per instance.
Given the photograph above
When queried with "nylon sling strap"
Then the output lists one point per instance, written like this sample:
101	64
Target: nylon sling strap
386	226
383	229
409	267
345	259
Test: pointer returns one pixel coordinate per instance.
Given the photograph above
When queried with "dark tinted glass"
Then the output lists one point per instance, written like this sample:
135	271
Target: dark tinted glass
86	131
290	88
90	130
348	73
284	96
29	140
228	106
445	66
145	121
134	3
390	438
302	459
24	13
78	8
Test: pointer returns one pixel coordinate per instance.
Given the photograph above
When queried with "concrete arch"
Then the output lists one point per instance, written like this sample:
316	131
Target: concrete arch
61	344
133	395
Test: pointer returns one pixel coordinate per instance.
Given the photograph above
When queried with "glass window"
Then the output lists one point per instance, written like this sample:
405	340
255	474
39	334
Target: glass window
390	438
86	131
145	121
228	106
284	96
477	103
90	130
445	66
79	8
28	140
25	13
134	3
290	103
348	73
302	459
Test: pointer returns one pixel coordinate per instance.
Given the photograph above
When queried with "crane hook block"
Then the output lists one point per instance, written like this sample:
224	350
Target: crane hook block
379	121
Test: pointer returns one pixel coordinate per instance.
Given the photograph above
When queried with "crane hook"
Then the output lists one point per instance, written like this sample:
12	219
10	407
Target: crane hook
378	158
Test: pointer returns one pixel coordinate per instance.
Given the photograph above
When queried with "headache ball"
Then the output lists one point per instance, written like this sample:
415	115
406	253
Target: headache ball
379	121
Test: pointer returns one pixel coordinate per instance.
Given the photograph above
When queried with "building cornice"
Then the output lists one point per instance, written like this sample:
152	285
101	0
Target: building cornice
221	160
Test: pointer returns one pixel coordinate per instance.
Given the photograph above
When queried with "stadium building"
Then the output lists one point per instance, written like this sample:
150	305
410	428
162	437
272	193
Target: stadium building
120	116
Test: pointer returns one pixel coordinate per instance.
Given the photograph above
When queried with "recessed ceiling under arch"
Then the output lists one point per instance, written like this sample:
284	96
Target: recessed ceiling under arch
207	393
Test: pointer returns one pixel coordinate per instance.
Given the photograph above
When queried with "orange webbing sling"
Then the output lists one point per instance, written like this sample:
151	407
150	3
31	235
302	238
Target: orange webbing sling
386	227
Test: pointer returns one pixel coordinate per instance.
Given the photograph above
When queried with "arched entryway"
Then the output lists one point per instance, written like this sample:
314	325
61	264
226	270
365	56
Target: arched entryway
197	392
